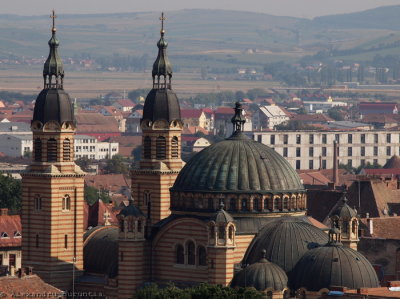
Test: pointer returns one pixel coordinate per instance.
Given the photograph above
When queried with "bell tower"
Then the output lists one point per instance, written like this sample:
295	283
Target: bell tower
161	141
52	197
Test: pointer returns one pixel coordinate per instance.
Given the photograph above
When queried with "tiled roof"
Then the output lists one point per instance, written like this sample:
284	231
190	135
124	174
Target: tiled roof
318	117
224	110
394	162
112	182
126	103
95	122
384	227
314	178
374	293
10	286
97	212
10	225
191	113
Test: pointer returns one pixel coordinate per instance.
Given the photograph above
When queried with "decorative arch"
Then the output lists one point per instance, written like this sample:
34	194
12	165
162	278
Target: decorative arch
190	252
285	203
66	203
201	255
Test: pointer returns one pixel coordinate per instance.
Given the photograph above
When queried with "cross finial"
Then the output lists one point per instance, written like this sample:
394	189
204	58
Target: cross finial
53	16
162	19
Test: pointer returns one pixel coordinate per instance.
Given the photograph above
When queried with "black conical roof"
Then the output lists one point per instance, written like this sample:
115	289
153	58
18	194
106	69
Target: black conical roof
161	104
333	265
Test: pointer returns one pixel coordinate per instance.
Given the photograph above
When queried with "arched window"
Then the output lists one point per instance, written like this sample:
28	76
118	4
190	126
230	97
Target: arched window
180	255
67	150
66	203
212	232
232	204
345	228
51	150
244	204
256	204
191	254
147	148
174	147
139	226
266	204
201	253
65	241
354	226
38	150
231	232
221	232
210	203
275	203
38	202
130	225
285	203
269	295
161	148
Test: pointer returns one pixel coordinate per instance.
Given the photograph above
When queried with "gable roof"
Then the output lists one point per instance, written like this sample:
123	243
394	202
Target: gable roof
30	284
394	162
191	113
10	225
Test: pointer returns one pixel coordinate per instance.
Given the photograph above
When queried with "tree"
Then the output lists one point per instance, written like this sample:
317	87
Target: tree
335	113
117	164
239	95
10	193
92	194
83	163
135	94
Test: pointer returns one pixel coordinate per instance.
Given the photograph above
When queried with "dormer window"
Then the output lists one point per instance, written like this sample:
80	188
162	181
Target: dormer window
4	235
17	234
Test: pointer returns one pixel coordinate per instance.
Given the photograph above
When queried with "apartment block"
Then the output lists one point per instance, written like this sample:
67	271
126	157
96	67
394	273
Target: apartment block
314	149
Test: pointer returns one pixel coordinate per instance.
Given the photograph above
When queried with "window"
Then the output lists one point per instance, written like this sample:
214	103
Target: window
285	139
388	151
38	202
323	164
37	241
350	138
285	203
362	138
256	204
259	138
121	256
180	256
324	138
362	162
298	139
388	138
337	138
66	150
139	226
161	150
4	235
51	150
191	254
232	204
298	152
147	148
311	152
350	163
66	203
349	151
38	150
221	232
244	204
311	137
297	164
272	139
231	232
201	253
174	147
324	151
210	203
375	151
375	162
66	241
362	151
275	203
376	138
311	164
285	151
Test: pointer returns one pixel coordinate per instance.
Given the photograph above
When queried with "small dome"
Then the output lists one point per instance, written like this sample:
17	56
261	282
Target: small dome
53	105
100	251
343	210
221	216
238	164
285	240
261	275
161	104
333	265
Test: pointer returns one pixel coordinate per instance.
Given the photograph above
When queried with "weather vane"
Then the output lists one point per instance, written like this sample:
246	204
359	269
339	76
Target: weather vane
53	16
162	19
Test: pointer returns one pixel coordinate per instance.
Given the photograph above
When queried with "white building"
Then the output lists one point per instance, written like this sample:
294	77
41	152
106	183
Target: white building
85	146
322	106
314	149
269	116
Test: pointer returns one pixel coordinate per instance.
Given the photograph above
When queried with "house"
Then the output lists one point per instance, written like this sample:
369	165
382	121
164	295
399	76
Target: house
194	144
267	117
223	121
124	105
195	118
322	106
97	125
133	122
10	242
366	108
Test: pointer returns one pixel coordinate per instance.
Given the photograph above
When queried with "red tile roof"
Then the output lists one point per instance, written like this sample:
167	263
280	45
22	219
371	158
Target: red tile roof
191	113
224	110
112	182
10	224
26	287
384	227
126	103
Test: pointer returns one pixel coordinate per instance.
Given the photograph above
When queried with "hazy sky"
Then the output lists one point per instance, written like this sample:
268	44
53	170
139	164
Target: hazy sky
299	8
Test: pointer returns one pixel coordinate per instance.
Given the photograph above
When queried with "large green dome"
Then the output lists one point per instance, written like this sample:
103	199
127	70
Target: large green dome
238	164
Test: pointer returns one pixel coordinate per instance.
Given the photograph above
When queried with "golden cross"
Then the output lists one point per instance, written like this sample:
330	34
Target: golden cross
53	16
162	19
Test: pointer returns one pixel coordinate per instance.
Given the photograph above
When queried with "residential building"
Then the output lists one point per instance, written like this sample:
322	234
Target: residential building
10	242
366	108
124	105
314	149
322	106
16	145
195	118
267	117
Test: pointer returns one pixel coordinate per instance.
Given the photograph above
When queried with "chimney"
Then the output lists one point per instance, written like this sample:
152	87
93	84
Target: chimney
335	163
370	225
3	212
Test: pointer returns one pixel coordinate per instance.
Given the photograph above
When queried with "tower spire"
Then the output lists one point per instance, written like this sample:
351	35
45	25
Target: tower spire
53	67
162	67
238	119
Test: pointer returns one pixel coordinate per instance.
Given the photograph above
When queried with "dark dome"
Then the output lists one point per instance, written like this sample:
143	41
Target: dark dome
53	104
261	275
335	265
343	210
131	210
238	164
161	104
100	251
285	240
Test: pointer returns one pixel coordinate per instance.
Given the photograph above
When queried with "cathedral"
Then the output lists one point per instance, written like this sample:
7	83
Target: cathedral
235	214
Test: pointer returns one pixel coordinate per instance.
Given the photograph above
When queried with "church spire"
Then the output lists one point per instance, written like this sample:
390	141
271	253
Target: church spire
162	67
53	67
